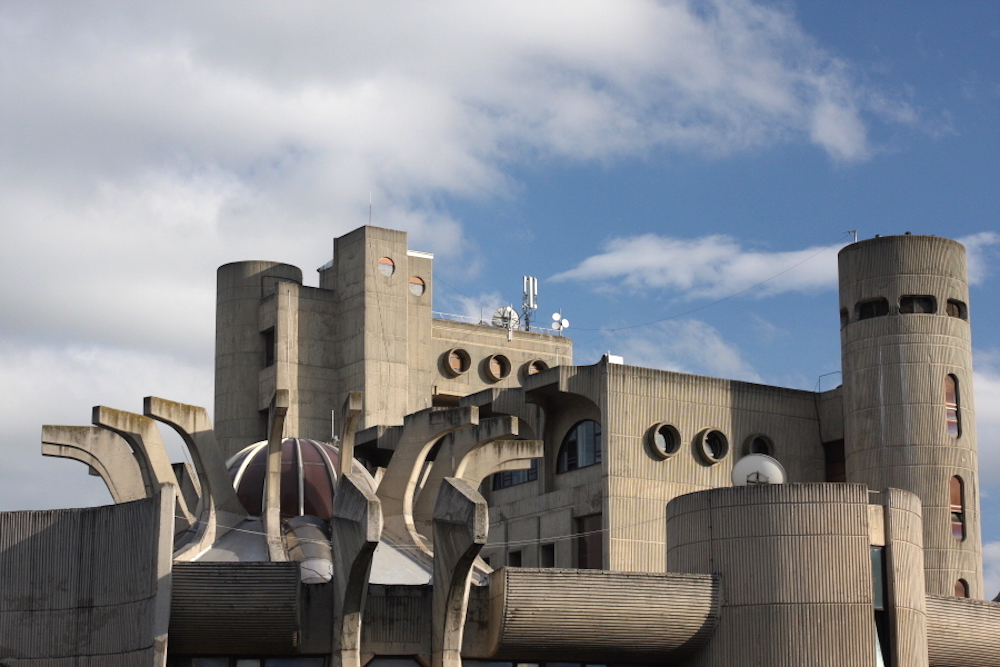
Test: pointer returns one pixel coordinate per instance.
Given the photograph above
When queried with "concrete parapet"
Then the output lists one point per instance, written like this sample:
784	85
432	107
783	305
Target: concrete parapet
962	632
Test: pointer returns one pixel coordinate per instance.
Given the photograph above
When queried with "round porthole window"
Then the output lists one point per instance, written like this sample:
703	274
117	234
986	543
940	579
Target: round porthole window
535	366
386	266
417	286
758	444
663	440
497	367
456	361
712	445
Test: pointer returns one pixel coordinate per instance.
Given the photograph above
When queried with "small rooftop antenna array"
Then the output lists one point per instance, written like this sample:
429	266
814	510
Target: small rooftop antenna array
530	303
559	323
854	232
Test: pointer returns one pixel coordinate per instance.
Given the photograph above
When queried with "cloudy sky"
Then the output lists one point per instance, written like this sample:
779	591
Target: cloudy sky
678	175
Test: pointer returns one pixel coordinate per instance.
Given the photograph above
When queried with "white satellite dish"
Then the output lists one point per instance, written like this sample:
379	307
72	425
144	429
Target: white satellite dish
754	469
558	322
506	318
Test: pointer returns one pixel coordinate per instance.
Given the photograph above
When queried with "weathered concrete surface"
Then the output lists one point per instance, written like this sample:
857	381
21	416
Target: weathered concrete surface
272	485
461	526
102	450
500	456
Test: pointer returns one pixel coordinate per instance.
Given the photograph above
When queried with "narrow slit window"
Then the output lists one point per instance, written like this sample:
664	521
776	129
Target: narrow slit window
957	488
917	304
951	406
873	308
956	308
961	588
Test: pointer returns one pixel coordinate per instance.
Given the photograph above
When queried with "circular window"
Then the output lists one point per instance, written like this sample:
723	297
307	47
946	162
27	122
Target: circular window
758	444
497	367
417	286
535	367
663	440
386	266
712	445
456	361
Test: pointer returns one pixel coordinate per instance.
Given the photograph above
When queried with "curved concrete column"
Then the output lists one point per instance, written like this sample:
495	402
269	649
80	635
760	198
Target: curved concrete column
102	450
219	510
451	458
398	486
144	438
272	485
499	456
461	525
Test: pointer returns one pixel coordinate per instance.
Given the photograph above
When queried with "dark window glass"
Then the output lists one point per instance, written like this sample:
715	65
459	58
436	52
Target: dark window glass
502	480
957	492
873	308
514	559
833	453
581	447
759	445
589	542
547	555
917	304
951	406
956	308
269	347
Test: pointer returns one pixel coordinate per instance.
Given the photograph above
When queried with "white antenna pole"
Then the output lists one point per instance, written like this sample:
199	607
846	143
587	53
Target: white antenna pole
369	208
854	232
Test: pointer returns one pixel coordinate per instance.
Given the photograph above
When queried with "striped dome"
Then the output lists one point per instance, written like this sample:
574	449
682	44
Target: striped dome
308	477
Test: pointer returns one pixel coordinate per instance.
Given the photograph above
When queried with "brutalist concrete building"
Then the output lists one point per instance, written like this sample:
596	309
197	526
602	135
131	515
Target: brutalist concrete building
384	486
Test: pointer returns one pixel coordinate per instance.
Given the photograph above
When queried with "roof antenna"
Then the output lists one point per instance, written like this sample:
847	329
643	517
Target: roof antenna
370	213
854	232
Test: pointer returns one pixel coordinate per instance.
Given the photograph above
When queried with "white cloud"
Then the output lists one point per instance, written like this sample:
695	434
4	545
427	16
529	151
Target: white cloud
686	346
706	267
981	254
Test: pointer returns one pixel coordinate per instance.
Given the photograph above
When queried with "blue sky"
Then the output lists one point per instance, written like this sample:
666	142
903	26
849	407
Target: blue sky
642	159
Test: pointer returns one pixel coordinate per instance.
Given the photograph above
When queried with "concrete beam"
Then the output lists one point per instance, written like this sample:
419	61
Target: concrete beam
461	526
398	486
451	457
219	510
144	438
102	450
272	484
500	456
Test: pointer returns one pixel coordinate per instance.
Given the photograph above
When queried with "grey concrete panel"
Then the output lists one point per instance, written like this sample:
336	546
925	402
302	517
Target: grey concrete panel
86	584
102	450
962	632
272	481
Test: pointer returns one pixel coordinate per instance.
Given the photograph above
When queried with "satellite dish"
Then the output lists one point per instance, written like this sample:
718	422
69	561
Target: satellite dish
558	322
506	318
755	469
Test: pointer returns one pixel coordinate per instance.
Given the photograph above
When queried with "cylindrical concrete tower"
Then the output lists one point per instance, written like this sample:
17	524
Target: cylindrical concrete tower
242	350
909	420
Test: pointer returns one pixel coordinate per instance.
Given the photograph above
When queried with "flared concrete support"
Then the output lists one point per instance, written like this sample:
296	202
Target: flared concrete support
500	456
102	450
398	486
461	525
272	498
350	415
144	438
357	525
219	509
451	460
904	569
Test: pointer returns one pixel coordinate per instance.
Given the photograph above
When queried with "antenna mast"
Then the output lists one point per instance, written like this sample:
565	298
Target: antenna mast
530	303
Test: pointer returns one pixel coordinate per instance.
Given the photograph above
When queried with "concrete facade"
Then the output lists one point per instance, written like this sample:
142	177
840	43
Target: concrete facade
495	502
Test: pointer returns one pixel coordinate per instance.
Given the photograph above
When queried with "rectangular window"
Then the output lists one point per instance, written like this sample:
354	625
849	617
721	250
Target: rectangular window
833	453
502	480
514	559
270	345
547	555
589	542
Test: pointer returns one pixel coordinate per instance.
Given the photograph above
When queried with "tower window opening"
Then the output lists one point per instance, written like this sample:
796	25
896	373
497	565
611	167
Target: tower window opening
270	345
953	414
758	444
873	308
386	266
917	304
956	308
712	445
957	490
417	286
456	361
845	318
961	588
581	447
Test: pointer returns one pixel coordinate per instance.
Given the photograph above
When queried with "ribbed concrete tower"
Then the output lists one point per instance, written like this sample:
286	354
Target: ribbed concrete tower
908	406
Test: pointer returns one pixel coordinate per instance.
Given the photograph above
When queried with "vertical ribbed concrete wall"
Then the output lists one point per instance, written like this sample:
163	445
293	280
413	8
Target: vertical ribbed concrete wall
239	349
795	569
894	367
904	567
79	586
